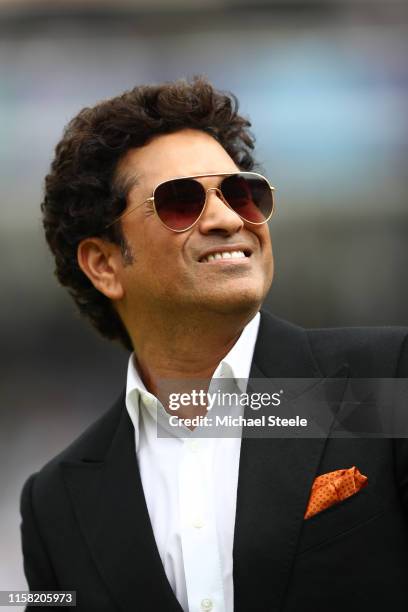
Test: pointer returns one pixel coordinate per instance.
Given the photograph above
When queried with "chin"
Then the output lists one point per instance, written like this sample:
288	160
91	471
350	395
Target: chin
242	302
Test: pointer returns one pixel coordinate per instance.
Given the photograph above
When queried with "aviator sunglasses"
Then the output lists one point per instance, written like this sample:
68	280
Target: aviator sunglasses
180	202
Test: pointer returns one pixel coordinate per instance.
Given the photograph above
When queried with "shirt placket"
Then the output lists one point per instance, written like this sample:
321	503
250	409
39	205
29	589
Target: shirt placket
198	528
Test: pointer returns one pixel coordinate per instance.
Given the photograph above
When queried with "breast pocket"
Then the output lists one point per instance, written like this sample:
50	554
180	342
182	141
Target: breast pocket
340	518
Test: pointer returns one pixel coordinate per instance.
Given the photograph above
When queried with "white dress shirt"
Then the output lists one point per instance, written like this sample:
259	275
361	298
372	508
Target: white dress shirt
190	486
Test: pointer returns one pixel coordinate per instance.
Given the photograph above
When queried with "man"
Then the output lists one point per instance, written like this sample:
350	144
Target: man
177	268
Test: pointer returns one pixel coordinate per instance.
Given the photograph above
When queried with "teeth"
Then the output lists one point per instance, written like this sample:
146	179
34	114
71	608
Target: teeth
225	255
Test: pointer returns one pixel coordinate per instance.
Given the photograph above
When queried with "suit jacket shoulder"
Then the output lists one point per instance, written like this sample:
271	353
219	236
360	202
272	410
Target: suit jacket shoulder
368	351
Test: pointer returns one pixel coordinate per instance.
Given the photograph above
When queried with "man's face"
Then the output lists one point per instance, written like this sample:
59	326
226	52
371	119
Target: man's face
168	273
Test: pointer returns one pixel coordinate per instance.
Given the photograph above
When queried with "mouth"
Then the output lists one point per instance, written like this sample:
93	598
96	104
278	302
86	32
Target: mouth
226	255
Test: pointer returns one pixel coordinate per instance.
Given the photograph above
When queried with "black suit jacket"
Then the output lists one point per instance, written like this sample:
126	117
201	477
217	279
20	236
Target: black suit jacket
86	526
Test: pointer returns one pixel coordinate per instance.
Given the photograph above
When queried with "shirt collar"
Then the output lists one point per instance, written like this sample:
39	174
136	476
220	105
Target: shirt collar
236	364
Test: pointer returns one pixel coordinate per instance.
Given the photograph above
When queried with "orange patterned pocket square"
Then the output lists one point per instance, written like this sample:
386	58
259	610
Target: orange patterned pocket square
331	488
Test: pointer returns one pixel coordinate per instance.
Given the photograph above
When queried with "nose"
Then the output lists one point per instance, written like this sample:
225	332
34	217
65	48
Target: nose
218	217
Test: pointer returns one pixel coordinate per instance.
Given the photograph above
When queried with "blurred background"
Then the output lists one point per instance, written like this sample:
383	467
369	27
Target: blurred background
326	87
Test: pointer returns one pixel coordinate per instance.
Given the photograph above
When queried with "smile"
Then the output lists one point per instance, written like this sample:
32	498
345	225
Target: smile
224	255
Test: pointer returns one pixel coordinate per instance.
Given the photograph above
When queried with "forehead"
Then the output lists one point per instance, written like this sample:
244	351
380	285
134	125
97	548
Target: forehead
183	153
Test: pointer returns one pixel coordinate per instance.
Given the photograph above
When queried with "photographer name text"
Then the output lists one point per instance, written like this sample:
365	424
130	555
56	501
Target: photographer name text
238	421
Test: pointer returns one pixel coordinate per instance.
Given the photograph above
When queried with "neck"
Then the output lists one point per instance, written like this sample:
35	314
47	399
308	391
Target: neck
183	352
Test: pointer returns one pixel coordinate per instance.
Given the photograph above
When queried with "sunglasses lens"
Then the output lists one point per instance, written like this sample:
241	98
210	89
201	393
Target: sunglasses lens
179	202
249	195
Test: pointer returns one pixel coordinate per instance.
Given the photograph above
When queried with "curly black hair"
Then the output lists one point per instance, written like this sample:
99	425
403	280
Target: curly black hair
81	194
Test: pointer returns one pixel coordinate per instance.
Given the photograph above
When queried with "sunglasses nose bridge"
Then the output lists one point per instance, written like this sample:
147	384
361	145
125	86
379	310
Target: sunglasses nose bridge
216	189
220	195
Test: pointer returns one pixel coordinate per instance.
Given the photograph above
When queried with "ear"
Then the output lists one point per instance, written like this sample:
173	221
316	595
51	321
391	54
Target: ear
101	262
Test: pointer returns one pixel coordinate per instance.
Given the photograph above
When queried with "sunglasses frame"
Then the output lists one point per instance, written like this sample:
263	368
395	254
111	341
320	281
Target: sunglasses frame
217	189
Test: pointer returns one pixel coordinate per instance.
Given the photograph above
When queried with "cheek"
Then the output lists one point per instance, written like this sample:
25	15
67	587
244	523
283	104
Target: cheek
264	238
270	252
266	242
161	263
271	260
148	250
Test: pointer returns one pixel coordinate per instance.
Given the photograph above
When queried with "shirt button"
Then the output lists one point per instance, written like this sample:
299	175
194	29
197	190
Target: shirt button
206	604
198	523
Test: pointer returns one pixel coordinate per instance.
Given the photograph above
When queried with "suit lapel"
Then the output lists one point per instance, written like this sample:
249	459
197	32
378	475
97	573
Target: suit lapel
110	506
275	478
